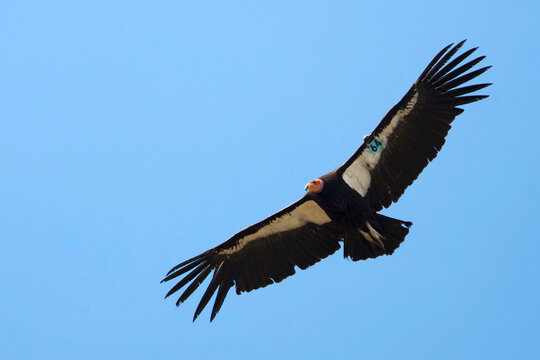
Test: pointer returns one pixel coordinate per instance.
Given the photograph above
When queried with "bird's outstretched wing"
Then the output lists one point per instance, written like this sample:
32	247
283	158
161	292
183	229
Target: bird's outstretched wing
264	253
414	130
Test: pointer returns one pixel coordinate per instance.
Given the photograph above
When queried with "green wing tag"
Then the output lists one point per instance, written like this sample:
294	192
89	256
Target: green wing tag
375	145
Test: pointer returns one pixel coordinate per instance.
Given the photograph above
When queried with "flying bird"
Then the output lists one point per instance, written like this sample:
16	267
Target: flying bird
342	206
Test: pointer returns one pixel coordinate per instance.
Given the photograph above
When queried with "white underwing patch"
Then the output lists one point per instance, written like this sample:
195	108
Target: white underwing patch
358	174
308	212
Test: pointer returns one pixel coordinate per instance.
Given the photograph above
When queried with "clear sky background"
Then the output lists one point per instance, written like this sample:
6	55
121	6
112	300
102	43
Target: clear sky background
136	134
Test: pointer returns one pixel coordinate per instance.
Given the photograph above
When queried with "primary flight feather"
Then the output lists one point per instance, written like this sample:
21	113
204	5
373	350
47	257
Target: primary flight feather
342	205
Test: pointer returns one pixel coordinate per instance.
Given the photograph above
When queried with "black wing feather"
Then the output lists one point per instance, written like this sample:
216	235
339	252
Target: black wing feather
224	287
216	279
195	283
452	64
419	133
256	264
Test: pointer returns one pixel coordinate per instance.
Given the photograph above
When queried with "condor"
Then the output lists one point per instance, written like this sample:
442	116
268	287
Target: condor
343	205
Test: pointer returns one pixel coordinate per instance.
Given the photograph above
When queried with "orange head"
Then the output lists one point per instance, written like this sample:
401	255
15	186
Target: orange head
315	185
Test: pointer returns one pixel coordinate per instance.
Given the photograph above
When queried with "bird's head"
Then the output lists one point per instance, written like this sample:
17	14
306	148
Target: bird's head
315	185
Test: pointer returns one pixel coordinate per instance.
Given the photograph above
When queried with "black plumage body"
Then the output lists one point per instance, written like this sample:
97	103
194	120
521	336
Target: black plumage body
347	208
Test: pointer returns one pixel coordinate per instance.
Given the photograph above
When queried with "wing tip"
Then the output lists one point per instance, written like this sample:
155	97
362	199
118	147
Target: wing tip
435	70
434	61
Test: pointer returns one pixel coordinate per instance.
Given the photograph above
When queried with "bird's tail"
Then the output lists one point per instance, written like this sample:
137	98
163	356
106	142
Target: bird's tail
376	238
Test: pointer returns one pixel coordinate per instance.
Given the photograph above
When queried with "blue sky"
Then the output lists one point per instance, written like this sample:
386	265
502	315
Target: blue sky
134	135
